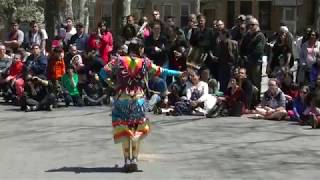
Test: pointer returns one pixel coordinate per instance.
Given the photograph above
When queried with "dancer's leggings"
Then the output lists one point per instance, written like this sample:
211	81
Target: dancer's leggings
135	145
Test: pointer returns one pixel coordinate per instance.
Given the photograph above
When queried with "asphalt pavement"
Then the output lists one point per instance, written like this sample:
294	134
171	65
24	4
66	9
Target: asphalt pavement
76	143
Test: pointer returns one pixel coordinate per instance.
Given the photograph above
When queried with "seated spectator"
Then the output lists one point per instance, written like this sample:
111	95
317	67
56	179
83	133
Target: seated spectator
157	94
177	90
56	66
93	94
5	63
273	105
70	82
250	91
198	100
299	106
312	111
232	103
213	84
15	37
36	63
38	94
14	79
82	72
288	87
36	35
70	54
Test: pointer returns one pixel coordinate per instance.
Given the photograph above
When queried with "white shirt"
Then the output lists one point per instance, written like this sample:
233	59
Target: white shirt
69	34
37	38
202	87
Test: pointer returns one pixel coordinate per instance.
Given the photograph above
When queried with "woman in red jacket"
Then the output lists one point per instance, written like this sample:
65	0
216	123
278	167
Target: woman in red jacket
106	41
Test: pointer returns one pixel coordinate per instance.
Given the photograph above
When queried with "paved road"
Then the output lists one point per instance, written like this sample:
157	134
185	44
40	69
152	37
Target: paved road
76	143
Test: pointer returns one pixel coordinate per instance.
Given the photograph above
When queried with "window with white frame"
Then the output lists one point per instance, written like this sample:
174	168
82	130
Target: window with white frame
184	14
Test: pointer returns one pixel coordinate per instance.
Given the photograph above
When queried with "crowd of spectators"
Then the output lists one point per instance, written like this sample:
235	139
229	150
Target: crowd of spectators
224	67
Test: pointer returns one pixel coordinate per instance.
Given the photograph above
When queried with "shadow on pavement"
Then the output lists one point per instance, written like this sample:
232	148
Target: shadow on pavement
77	170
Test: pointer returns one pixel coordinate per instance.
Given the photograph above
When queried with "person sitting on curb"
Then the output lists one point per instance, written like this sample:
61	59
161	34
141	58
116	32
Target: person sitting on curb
70	82
38	94
273	105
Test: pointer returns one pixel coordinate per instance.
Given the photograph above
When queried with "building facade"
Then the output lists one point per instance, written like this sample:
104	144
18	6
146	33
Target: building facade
296	14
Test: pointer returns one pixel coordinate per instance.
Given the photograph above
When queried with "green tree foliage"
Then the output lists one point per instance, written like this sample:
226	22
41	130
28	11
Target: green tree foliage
23	10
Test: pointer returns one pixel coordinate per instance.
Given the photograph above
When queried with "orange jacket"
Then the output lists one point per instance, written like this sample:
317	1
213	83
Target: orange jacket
56	69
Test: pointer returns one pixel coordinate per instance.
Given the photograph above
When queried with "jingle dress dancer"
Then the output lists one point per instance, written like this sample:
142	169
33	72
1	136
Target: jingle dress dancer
128	75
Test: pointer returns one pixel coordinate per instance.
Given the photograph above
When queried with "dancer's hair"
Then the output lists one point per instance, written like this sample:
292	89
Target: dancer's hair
135	45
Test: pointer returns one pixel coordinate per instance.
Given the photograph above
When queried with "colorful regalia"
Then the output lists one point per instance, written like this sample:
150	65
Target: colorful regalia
128	75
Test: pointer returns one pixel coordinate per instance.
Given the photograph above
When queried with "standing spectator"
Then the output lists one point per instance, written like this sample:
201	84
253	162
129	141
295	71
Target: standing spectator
156	46
106	41
178	52
129	31
252	49
15	37
308	55
94	42
156	17
131	21
170	24
281	54
70	30
80	39
144	30
202	45
227	57
236	32
191	26
36	35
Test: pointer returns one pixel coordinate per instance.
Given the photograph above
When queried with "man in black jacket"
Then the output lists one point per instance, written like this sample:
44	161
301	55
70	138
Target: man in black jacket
252	50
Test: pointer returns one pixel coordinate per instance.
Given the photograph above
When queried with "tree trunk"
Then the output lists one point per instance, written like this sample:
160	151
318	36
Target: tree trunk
50	12
68	9
82	11
126	7
198	7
